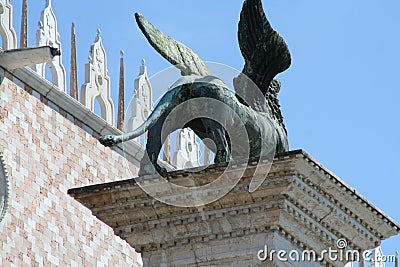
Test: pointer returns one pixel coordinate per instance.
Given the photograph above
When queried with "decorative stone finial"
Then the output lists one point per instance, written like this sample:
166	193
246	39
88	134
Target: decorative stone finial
9	36
47	34
142	101
97	82
97	35
187	151
143	69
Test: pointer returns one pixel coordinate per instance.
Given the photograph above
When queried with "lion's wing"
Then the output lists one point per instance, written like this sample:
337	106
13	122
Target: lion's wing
264	50
175	52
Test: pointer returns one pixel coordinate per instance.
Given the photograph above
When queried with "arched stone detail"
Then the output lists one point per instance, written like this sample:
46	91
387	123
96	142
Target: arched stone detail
3	188
7	32
48	35
142	102
97	82
187	152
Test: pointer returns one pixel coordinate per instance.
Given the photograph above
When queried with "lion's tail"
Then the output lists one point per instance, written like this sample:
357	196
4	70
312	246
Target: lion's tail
164	105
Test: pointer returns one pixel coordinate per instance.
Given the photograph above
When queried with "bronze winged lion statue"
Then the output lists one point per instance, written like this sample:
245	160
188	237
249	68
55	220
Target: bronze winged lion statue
254	101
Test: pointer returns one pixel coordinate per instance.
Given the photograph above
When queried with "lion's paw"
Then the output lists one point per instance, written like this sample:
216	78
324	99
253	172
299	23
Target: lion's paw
108	140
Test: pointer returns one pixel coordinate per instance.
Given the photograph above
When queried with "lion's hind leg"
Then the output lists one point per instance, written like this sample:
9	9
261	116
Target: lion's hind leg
148	164
217	133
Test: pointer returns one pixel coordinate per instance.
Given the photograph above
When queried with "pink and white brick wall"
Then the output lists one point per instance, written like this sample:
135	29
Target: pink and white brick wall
48	151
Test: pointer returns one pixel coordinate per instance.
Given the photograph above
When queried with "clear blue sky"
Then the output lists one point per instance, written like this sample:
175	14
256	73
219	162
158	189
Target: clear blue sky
339	98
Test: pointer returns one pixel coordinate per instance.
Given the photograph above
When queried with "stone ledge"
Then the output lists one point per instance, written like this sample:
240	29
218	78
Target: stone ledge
300	202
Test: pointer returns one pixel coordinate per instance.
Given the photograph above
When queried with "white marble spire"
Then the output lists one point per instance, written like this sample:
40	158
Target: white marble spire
141	104
97	82
47	34
7	32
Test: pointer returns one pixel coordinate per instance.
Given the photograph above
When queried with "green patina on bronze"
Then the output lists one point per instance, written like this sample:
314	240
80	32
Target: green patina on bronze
175	52
255	99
